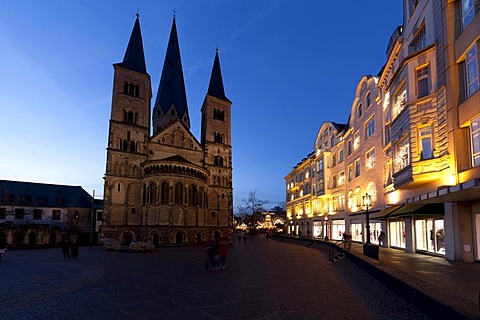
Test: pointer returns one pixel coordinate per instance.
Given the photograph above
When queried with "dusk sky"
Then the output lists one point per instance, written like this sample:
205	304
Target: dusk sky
287	67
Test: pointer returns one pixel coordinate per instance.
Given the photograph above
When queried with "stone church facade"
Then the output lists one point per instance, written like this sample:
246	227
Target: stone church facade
166	187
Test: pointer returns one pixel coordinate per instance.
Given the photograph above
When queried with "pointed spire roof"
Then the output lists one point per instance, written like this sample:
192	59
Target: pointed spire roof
171	90
215	88
134	58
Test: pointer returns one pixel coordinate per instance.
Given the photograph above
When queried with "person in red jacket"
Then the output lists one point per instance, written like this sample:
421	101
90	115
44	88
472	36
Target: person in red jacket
222	251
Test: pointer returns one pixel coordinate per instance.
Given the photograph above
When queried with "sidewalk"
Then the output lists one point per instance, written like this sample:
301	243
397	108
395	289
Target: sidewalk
455	285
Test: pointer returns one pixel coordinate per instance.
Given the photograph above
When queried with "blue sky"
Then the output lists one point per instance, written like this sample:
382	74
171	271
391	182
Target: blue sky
287	67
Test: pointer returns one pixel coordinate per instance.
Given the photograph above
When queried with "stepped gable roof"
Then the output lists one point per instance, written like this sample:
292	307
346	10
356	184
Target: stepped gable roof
134	58
33	194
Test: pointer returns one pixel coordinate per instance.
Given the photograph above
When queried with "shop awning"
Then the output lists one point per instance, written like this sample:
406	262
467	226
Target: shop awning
358	213
418	209
384	213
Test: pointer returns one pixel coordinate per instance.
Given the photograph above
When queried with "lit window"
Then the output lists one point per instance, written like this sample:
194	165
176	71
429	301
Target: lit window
422	81
369	128
402	154
334	181
356	141
425	135
334	160
471	68
341	178
370	159
399	102
475	129
350	173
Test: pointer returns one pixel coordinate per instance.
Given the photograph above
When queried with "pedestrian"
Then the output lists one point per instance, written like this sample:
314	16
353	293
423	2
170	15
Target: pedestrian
239	239
222	252
74	249
210	252
244	239
66	248
267	235
381	238
2	251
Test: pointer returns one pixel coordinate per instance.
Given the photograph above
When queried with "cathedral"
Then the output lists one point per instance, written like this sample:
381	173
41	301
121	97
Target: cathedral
162	185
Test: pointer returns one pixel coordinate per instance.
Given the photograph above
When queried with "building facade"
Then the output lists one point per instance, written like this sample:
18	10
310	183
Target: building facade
42	215
166	186
412	142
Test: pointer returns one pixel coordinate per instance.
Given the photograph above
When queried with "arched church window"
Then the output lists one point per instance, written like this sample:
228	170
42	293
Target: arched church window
178	196
165	193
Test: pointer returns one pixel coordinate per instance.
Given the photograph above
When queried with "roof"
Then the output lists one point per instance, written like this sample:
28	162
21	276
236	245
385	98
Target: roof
215	88
134	58
171	90
18	193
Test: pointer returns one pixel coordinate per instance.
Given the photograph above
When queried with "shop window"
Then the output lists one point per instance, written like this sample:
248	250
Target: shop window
397	234
430	235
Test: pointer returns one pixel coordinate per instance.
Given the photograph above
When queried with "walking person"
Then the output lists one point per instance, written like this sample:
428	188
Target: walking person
66	248
74	249
381	238
210	252
2	251
244	239
222	252
267	235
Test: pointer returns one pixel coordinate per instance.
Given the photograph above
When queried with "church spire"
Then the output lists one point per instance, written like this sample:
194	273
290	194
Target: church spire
134	58
171	90
215	88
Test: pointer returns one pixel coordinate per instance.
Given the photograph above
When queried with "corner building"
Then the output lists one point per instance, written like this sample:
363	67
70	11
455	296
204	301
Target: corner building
166	187
411	144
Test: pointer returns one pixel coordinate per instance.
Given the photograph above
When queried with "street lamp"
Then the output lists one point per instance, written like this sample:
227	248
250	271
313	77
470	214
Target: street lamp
367	202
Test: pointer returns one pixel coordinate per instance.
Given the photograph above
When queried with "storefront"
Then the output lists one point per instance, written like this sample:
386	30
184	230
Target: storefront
397	234
317	229
338	228
356	227
430	235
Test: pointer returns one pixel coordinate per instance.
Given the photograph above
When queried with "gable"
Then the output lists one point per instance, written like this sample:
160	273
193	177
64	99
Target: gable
177	135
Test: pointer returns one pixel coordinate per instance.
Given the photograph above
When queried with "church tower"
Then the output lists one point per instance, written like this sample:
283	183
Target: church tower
217	146
129	131
171	101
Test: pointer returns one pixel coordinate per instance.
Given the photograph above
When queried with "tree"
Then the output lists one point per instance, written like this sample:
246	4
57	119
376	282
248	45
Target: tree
251	208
